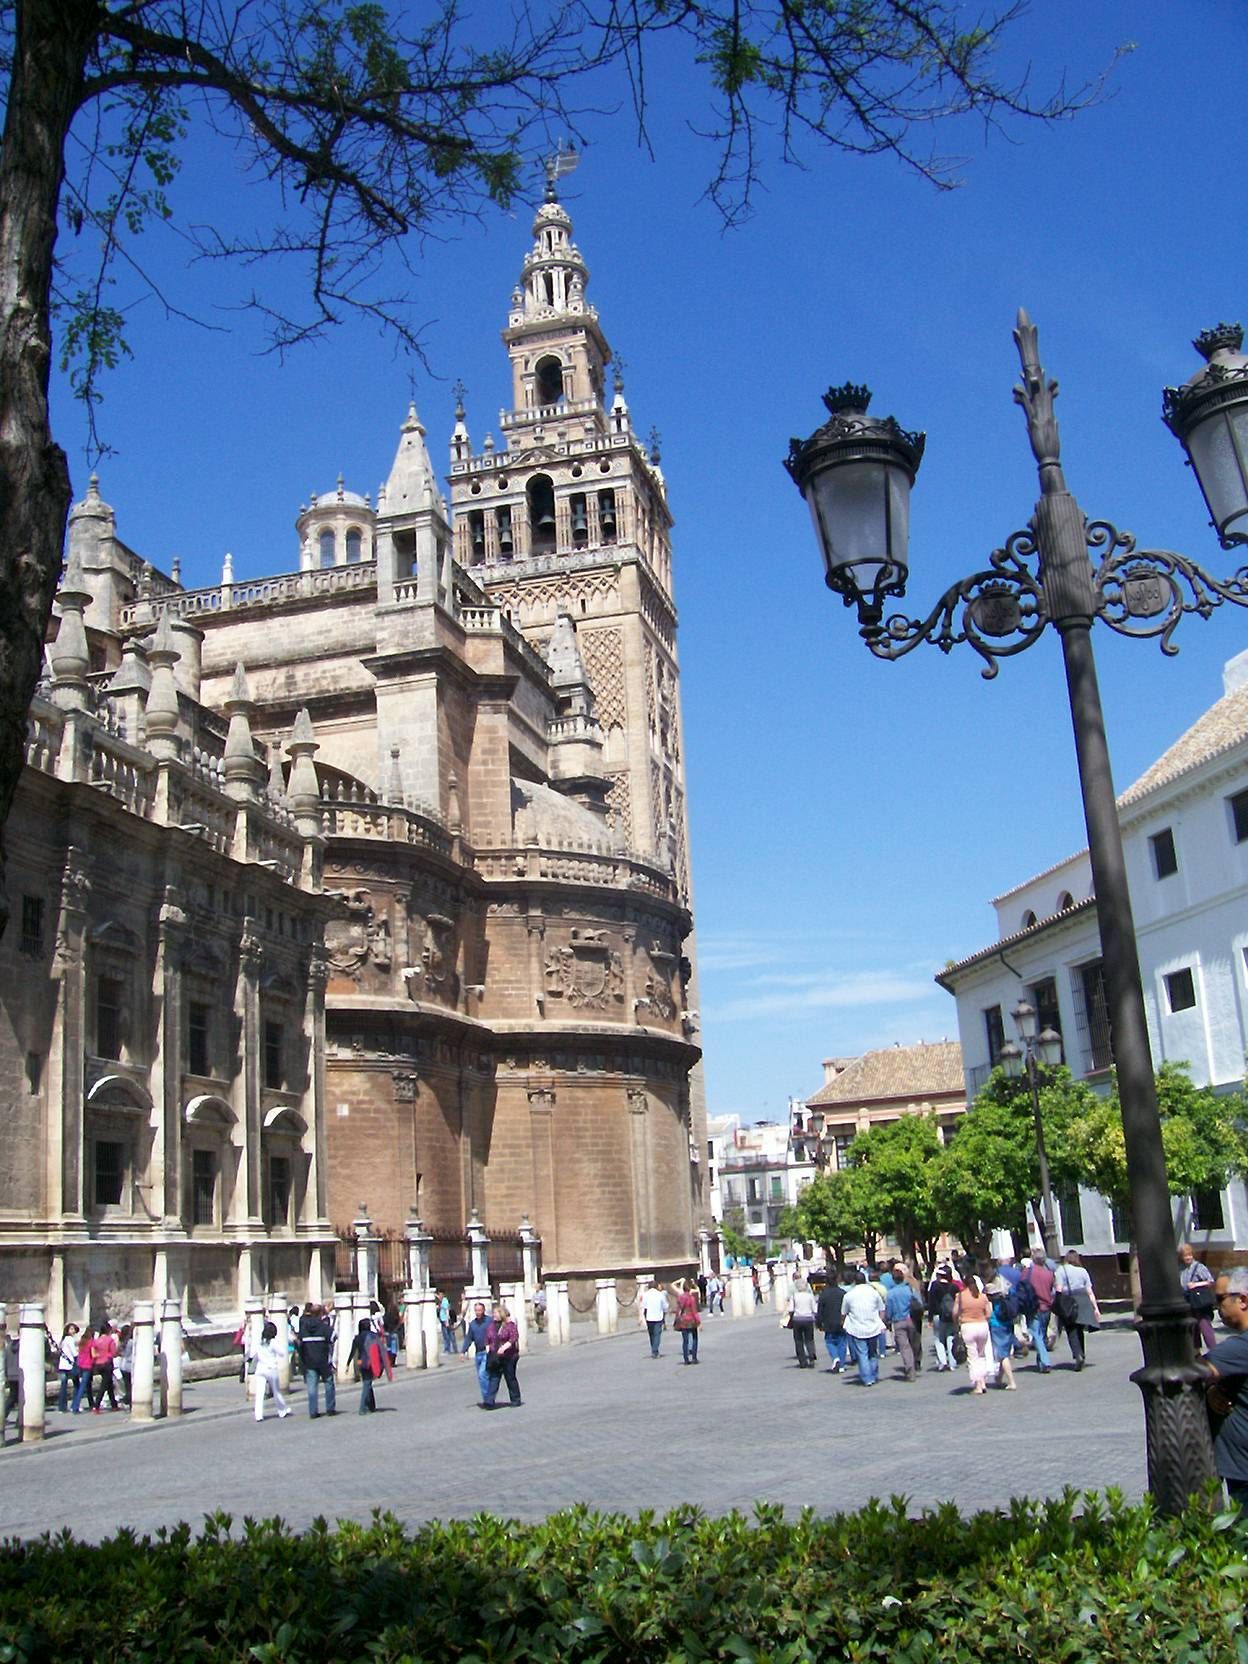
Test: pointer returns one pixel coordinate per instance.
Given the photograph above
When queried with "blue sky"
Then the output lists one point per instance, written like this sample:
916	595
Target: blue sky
850	819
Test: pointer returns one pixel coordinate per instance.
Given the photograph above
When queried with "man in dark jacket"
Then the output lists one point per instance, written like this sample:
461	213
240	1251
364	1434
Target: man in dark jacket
317	1353
828	1320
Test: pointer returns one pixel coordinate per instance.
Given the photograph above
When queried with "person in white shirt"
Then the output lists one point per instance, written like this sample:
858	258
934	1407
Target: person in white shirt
269	1358
653	1312
863	1317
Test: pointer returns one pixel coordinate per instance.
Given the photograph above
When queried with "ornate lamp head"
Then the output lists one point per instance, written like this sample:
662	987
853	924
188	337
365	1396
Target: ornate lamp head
855	473
1208	415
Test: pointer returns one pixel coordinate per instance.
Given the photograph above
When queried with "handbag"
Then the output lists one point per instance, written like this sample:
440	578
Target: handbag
959	1350
1066	1307
493	1364
786	1322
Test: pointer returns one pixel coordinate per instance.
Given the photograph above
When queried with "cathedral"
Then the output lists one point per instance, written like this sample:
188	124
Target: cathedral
363	889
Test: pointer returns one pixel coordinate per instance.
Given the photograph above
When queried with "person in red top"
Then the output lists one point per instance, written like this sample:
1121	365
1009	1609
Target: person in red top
1036	1276
103	1351
502	1349
687	1320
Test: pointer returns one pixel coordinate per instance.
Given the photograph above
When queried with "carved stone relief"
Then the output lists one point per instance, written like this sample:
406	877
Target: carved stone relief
362	936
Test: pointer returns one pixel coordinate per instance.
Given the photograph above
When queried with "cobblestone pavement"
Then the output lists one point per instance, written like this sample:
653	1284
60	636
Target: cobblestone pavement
602	1424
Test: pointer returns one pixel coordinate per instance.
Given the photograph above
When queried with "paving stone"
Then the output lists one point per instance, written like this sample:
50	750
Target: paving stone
601	1424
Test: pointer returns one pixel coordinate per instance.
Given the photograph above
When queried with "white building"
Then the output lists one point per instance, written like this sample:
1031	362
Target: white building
756	1175
1185	835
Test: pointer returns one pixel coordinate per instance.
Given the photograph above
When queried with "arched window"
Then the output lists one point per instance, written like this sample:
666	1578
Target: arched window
354	545
1064	901
1029	918
548	379
541	495
327	548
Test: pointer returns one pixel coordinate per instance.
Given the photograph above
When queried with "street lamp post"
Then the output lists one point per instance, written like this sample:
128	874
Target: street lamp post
855	474
1043	1048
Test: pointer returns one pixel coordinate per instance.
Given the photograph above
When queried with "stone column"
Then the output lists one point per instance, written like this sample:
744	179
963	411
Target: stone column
704	1252
278	1306
366	1255
512	1296
143	1377
530	1256
558	1314
781	1288
608	1305
413	1329
344	1330
171	1354
764	1280
741	1289
479	1253
723	1251
431	1329
32	1380
419	1243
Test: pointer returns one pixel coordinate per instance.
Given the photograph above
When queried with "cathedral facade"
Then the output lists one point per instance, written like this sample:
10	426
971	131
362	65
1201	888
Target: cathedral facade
472	989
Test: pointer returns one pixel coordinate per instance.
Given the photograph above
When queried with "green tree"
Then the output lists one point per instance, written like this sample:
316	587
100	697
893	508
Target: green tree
370	128
829	1211
896	1163
985	1177
736	1242
1204	1135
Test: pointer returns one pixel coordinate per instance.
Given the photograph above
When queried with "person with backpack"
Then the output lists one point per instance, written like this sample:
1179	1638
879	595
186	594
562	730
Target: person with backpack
830	1321
316	1354
1035	1292
368	1350
942	1293
1001	1321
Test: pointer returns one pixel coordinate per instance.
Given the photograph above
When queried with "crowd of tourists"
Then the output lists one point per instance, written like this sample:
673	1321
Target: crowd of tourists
981	1319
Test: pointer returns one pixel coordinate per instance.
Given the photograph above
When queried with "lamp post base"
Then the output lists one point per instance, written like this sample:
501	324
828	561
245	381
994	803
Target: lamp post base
1176	1421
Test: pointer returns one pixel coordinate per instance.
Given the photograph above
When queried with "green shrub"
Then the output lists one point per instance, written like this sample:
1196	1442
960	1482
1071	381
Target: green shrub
1059	1582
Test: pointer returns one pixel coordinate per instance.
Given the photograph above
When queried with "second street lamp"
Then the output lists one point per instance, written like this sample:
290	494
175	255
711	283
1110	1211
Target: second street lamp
1043	575
1044	1049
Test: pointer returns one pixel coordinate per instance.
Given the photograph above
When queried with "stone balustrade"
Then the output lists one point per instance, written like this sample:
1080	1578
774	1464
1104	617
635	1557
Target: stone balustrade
256	593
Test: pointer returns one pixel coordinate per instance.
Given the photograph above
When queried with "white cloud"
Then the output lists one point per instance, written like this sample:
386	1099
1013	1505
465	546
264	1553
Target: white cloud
795	995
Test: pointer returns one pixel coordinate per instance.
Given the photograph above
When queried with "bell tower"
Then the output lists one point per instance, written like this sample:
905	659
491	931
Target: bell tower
567	515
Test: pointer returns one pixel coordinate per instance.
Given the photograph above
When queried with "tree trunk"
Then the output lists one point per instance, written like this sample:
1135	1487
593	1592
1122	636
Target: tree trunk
51	45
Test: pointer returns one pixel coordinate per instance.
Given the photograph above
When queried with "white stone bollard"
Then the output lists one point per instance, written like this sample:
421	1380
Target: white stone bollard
431	1329
780	1289
32	1379
277	1307
253	1325
558	1313
608	1299
512	1296
171	1355
740	1292
764	1282
413	1329
143	1376
344	1333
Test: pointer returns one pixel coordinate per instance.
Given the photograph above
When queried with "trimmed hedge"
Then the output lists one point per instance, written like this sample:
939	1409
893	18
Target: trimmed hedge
1082	1578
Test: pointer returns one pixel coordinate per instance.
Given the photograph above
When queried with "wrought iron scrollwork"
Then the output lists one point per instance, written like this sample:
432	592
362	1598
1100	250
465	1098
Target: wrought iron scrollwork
998	612
1146	592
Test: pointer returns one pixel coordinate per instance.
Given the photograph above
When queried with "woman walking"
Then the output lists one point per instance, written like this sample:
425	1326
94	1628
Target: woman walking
802	1309
1001	1333
502	1351
104	1349
1076	1305
687	1320
269	1358
368	1349
973	1311
82	1381
67	1364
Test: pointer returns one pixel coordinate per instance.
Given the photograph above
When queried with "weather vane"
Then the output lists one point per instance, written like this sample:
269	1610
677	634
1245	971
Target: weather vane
563	161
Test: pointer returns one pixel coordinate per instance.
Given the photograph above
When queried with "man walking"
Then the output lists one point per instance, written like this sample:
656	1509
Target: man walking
475	1336
863	1314
653	1312
316	1353
830	1322
898	1317
1228	1397
1036	1286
